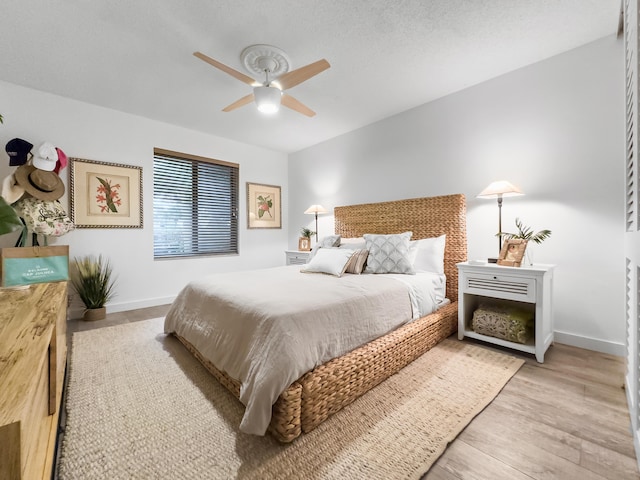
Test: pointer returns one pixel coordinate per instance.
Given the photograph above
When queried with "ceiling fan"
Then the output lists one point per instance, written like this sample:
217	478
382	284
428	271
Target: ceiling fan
274	64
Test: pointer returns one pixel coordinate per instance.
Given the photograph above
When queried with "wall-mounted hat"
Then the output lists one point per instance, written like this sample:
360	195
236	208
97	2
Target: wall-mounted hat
11	191
39	183
18	151
46	157
62	161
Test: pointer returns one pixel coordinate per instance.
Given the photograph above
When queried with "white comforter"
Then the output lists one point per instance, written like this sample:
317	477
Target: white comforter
267	327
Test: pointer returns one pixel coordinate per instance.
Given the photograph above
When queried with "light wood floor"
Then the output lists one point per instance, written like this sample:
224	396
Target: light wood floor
565	419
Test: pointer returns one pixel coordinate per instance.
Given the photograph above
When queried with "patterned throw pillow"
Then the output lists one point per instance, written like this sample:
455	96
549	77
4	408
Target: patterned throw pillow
357	261
329	241
388	253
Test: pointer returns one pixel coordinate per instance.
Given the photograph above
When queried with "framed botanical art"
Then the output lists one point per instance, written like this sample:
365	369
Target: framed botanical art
105	195
512	252
263	206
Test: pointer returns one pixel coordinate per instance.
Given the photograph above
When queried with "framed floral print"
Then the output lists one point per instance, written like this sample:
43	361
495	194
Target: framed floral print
263	206
105	195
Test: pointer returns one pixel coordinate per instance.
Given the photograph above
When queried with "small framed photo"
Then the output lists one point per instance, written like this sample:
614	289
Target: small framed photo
304	244
105	195
263	206
512	252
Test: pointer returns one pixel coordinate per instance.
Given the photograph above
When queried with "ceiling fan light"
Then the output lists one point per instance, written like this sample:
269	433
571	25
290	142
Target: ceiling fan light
267	99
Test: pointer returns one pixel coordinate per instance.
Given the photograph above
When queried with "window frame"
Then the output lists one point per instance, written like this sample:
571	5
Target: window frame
233	169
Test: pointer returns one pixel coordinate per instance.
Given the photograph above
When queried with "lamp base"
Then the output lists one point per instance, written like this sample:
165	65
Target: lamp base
492	260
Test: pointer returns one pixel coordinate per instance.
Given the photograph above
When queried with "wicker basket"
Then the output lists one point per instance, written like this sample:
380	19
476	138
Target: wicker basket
508	323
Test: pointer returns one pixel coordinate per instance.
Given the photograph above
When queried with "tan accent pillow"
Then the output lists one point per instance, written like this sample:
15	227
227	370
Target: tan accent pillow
357	261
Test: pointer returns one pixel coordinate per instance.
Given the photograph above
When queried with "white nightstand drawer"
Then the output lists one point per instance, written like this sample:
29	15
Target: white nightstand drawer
501	286
296	257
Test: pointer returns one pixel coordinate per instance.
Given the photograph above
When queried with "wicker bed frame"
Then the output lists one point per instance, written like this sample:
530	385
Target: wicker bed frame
328	388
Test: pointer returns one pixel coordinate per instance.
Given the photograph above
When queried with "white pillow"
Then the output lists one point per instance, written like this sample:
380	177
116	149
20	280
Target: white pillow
388	253
329	241
328	260
351	240
427	254
356	243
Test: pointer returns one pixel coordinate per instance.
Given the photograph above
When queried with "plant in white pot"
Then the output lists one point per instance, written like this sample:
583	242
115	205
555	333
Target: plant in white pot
92	278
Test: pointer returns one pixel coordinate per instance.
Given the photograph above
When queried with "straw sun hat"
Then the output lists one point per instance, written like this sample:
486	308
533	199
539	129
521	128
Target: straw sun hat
40	184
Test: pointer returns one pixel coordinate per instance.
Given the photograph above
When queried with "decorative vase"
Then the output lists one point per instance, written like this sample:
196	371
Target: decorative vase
528	257
91	314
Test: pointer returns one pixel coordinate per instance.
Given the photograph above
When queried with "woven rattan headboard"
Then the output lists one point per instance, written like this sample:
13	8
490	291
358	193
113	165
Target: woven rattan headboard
425	217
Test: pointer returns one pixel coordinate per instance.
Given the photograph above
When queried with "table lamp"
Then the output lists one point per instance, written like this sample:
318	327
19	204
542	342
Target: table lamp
315	209
500	189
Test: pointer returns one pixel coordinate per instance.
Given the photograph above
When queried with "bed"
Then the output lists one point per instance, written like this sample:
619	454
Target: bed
330	386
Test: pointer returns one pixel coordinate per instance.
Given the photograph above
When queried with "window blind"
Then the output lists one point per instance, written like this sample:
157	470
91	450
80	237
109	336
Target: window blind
195	206
631	48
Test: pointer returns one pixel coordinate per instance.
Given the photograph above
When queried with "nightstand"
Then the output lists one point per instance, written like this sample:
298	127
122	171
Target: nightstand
526	288
296	257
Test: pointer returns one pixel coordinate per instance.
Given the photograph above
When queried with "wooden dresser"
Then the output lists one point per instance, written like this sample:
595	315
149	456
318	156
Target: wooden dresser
33	352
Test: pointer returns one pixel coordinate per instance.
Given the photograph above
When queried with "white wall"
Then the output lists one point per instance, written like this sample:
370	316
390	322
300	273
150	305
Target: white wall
555	129
86	131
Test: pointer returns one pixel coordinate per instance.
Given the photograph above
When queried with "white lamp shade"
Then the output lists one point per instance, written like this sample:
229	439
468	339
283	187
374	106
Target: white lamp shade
501	188
315	209
267	99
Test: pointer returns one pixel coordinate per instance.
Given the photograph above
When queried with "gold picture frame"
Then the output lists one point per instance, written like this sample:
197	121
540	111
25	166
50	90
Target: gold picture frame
512	252
263	206
105	195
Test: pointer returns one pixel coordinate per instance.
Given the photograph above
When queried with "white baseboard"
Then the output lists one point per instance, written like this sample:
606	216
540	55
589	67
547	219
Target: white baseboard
76	311
604	346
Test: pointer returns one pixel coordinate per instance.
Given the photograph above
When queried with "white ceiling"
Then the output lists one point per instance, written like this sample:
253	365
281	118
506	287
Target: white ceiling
386	56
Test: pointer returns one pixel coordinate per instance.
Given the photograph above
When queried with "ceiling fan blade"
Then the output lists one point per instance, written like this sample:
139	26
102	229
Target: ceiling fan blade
290	102
299	75
239	103
234	73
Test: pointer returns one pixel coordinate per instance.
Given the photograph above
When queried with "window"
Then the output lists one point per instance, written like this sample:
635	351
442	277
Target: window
195	205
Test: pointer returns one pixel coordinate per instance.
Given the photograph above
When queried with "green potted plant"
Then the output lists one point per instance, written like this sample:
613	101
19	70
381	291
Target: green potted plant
91	278
527	234
9	220
304	242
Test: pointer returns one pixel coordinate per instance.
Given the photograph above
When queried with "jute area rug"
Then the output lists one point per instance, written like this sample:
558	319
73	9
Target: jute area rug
140	406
